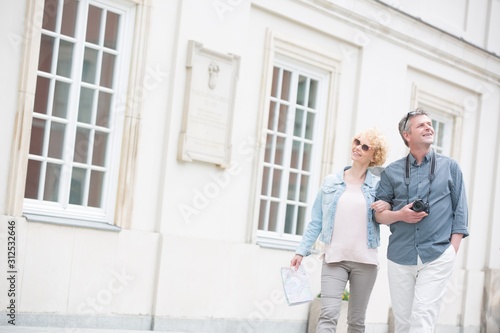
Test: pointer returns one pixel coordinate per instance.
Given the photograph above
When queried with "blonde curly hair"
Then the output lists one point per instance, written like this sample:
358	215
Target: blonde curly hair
378	142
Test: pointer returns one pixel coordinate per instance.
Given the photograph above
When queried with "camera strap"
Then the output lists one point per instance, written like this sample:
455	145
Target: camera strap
432	175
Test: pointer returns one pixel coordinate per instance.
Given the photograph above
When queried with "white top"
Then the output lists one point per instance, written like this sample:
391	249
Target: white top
349	238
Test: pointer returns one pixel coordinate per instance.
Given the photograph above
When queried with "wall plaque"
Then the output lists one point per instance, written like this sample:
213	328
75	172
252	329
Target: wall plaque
208	106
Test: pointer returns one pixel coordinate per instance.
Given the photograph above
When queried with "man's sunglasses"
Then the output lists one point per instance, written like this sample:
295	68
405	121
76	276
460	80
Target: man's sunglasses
356	143
408	115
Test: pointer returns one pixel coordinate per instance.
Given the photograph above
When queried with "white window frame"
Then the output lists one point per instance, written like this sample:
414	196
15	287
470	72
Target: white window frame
443	131
116	213
285	52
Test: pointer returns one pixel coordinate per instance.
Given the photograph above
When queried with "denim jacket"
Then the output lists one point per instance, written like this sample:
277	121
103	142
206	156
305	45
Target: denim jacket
325	205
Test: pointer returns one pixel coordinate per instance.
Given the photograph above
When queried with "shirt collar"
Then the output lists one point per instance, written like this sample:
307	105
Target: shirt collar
426	159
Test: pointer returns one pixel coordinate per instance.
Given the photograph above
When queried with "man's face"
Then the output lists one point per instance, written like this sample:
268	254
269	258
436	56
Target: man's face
421	130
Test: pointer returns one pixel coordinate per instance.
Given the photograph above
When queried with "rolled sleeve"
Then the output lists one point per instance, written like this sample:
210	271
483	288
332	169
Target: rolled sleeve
459	200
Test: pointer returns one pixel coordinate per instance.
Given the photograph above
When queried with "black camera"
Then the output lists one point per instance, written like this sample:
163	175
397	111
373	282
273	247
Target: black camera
420	206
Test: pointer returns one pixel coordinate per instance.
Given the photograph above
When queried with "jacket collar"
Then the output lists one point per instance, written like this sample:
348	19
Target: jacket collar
369	179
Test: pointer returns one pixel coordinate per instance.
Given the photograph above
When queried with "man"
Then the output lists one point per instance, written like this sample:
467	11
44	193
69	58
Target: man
427	222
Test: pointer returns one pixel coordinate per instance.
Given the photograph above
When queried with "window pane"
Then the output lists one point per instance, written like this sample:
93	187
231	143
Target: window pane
69	17
285	85
37	136
46	52
107	70
289	217
273	217
297	128
52	178
301	90
280	151
310	125
265	182
292	186
77	186
111	34
103	109
100	145
41	95
262	214
89	65
306	157
301	221
283	114
269	148
96	187
65	58
440	131
81	150
32	179
313	94
304	186
294	162
49	15
61	97
56	141
93	25
272	116
85	105
275	191
274	87
439	134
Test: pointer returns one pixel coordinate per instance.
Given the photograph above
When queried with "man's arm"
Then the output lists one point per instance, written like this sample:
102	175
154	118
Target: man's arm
405	214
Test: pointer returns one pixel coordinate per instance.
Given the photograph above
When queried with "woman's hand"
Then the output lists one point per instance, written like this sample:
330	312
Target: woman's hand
380	206
296	260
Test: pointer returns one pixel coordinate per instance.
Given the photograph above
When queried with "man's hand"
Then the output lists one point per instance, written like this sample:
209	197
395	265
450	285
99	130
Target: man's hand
408	215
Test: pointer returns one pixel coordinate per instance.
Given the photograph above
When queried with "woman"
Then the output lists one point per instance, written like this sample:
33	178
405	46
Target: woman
342	218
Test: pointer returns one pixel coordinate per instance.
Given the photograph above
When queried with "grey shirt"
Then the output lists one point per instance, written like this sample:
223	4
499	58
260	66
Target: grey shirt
430	237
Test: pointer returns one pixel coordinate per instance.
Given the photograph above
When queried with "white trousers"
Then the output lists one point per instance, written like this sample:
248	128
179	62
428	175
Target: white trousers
417	292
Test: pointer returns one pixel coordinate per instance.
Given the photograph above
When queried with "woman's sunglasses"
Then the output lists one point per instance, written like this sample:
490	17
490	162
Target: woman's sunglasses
356	143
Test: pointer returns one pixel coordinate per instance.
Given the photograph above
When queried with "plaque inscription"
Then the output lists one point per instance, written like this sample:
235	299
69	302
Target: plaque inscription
208	106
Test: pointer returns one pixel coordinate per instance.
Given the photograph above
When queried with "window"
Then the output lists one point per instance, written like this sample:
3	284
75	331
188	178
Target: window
298	118
443	131
76	127
293	138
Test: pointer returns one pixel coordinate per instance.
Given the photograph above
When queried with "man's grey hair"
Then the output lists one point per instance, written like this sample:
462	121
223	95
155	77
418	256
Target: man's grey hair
404	123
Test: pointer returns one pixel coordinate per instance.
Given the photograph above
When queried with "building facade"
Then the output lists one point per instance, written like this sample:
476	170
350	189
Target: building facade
160	158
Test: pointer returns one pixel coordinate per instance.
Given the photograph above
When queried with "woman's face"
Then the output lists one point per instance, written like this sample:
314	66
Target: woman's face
362	150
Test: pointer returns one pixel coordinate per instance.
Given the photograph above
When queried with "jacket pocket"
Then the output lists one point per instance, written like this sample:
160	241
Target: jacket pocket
328	194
